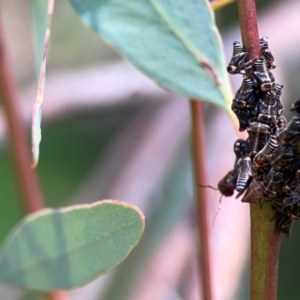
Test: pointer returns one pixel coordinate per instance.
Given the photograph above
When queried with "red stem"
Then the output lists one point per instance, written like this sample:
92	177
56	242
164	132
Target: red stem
27	178
32	198
249	27
265	242
198	142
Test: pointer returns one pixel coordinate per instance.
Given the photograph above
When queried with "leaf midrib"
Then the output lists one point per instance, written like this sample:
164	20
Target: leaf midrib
198	55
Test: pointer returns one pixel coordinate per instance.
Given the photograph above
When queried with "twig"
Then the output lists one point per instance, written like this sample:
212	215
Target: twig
249	27
198	145
32	198
265	242
28	181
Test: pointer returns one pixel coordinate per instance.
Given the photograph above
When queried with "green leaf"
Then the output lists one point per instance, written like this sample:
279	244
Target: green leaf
39	10
39	24
69	247
174	42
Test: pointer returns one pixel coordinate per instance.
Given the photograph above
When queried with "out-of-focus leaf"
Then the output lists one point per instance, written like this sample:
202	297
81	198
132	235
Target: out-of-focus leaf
174	42
218	4
39	24
65	163
37	109
69	247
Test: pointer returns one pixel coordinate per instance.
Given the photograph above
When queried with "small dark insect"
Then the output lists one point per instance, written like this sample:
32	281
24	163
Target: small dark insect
239	148
244	102
261	159
296	108
292	199
265	189
245	95
290	134
278	90
279	205
245	173
284	224
292	186
282	158
268	108
254	192
237	62
286	217
227	184
258	136
272	183
262	77
243	117
264	45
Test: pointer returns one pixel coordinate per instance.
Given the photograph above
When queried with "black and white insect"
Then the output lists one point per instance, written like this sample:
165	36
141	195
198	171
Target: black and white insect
262	158
237	62
272	183
267	164
264	45
245	173
262	77
290	134
227	184
244	103
258	137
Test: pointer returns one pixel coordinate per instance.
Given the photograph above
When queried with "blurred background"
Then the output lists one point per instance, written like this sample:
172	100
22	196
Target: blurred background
111	133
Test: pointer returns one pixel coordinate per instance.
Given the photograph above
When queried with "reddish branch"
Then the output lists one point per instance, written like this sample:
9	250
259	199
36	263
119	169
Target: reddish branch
28	183
197	112
249	27
27	179
265	242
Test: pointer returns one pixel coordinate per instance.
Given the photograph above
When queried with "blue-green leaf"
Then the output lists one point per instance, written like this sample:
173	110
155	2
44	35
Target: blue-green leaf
174	42
42	21
67	248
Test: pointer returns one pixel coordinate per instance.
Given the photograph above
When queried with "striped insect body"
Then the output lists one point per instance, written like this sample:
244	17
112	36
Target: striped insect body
244	103
237	62
264	45
245	173
227	184
267	164
258	137
262	158
262	77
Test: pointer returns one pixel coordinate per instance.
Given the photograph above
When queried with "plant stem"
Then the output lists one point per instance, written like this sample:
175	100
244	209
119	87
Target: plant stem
31	194
198	145
27	179
265	242
265	248
249	27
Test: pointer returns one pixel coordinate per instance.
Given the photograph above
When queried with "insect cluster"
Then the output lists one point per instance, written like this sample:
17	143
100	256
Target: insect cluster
267	166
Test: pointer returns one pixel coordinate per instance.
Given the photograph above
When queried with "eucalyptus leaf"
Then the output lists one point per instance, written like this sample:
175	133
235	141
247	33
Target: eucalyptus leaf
39	24
67	248
174	42
44	17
